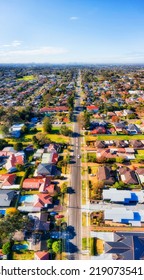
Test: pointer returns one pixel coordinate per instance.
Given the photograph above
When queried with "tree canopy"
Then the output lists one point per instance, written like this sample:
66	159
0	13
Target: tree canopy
47	125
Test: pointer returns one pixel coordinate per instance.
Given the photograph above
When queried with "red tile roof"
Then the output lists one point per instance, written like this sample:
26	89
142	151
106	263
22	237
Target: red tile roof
92	107
99	130
36	183
8	179
41	255
43	199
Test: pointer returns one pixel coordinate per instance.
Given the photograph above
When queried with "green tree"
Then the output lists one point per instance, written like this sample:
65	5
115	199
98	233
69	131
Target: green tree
70	101
119	160
19	167
84	119
57	246
24	129
40	139
6	248
64	130
64	188
47	126
18	146
5	129
11	223
49	243
3	143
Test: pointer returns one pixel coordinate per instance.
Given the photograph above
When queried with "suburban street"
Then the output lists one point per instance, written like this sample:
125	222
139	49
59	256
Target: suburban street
74	209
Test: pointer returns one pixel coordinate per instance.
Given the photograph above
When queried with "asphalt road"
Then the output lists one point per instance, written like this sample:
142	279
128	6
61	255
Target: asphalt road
74	209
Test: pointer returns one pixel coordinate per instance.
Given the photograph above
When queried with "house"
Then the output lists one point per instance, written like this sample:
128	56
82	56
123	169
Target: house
137	144
14	159
140	173
41	255
133	129
40	184
98	130
38	154
127	112
119	126
9	149
35	203
128	176
51	157
7	180
92	109
123	196
122	143
124	216
100	144
45	169
6	198
15	130
106	175
43	200
54	109
126	246
114	152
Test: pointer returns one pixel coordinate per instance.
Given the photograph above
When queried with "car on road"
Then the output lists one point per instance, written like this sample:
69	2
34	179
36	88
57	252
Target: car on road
78	156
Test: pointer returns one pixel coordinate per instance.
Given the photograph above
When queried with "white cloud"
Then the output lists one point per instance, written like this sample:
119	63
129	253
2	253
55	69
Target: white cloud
13	44
73	18
16	43
43	51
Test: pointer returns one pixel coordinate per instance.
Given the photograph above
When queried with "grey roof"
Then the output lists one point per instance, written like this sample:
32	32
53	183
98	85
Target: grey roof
6	197
129	246
48	169
133	127
45	169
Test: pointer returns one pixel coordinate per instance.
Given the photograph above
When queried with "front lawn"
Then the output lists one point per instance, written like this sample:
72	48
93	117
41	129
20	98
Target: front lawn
106	137
84	186
58	138
25	255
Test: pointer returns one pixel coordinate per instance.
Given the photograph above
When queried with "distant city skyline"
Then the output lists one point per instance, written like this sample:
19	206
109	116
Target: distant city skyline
77	31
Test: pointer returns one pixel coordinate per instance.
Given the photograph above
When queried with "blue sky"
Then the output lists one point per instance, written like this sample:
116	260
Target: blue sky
63	31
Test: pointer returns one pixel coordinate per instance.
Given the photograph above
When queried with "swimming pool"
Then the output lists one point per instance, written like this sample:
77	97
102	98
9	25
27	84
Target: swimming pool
27	198
17	247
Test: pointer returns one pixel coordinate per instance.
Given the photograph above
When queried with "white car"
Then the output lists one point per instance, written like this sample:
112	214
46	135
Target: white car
78	156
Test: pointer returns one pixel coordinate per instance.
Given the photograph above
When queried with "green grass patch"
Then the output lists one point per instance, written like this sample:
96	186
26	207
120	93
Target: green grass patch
85	243
140	152
85	219
27	78
94	169
114	137
23	255
29	192
140	156
84	186
58	138
83	170
83	157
